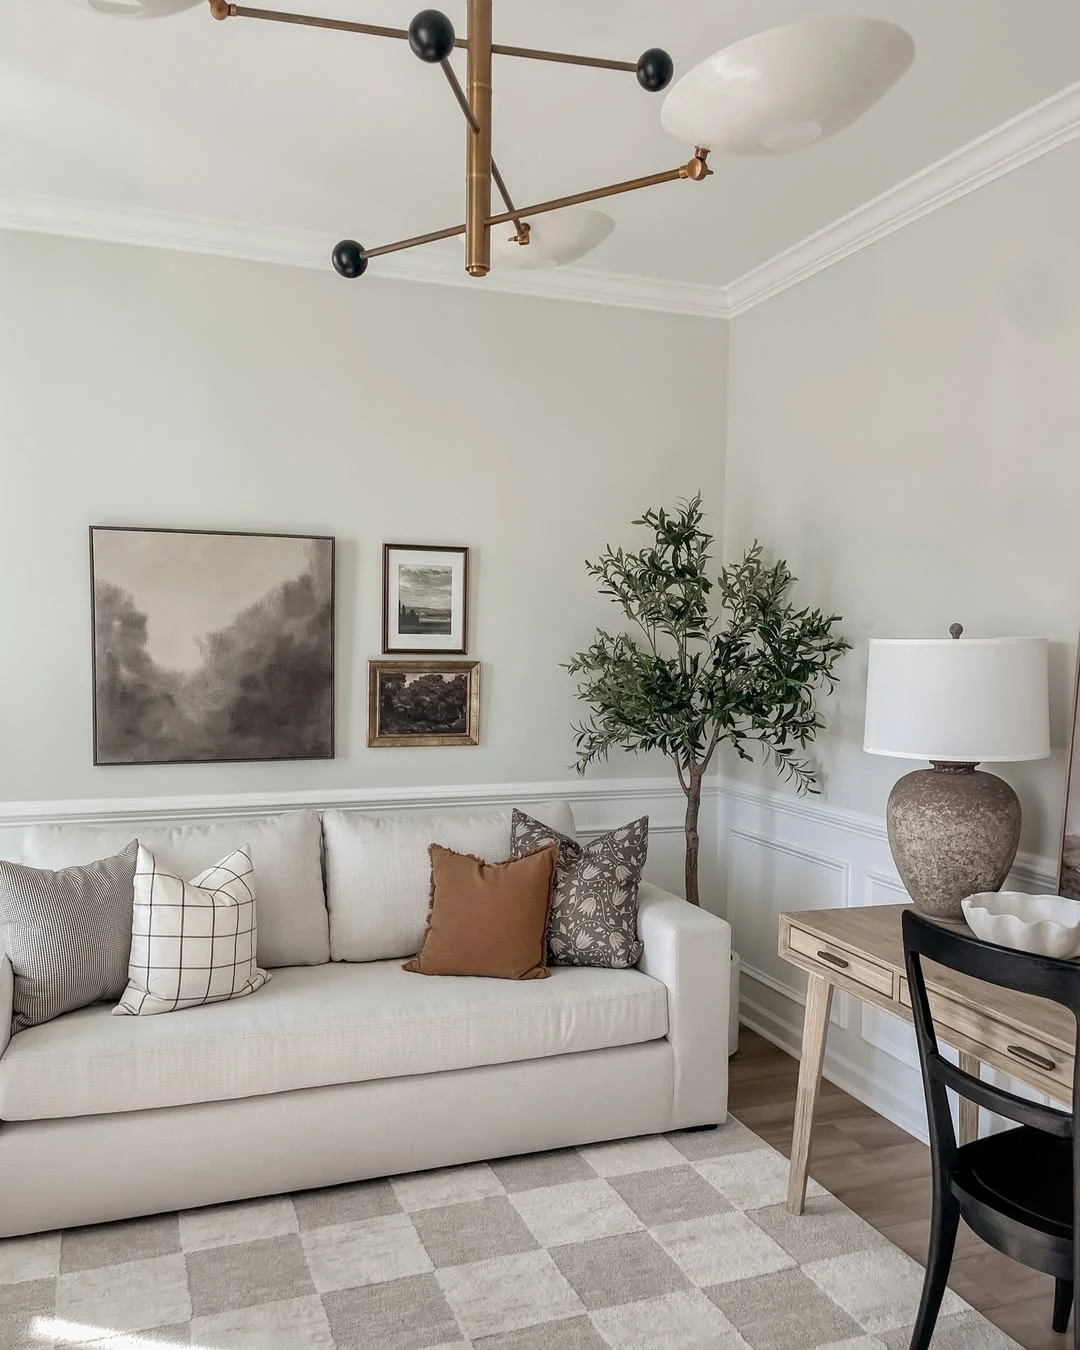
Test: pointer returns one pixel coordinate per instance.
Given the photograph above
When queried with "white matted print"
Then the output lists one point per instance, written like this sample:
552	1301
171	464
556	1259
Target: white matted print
425	599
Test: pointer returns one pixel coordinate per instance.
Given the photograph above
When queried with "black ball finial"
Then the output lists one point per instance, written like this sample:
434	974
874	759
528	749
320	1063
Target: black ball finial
431	36
655	69
350	260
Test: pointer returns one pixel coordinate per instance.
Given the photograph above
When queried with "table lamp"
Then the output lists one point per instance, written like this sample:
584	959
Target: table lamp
954	830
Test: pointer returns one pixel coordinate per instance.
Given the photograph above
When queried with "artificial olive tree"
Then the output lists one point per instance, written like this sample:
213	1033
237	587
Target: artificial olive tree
709	662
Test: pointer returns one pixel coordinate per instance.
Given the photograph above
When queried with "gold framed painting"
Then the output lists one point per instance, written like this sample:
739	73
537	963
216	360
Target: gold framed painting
423	703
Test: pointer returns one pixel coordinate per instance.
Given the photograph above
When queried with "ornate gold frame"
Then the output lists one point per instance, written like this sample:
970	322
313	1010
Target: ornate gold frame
471	735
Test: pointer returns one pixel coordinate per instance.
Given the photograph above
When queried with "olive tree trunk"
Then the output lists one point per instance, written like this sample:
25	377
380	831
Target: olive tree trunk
693	839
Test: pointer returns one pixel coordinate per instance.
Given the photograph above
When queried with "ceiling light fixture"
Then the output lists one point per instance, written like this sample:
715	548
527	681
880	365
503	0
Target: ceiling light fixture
776	91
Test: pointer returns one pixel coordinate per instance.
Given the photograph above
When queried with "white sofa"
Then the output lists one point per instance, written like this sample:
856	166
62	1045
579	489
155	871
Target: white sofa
344	1066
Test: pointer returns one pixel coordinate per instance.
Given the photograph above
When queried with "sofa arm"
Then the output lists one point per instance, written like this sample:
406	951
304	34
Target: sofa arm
7	994
689	950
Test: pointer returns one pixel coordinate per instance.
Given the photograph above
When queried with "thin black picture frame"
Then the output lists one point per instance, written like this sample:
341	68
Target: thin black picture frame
433	652
241	534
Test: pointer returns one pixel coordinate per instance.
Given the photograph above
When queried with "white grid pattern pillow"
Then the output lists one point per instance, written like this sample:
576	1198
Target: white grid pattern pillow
192	942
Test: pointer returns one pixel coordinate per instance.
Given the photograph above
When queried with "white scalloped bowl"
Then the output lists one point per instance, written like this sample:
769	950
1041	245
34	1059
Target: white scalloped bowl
1048	925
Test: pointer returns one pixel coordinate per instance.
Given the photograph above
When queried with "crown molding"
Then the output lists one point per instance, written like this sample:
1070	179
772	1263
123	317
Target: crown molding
1030	134
1014	143
296	248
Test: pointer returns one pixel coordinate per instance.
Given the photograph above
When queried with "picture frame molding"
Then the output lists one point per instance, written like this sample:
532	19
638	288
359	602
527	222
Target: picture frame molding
242	534
471	737
388	550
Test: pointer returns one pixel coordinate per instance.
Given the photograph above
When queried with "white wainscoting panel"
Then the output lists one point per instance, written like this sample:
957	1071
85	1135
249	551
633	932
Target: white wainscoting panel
762	873
782	853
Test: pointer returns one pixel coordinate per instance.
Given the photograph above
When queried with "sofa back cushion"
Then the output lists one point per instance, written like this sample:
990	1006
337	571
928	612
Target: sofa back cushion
285	852
378	873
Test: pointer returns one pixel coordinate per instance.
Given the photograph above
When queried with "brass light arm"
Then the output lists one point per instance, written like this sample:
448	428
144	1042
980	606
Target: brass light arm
561	58
222	9
414	242
696	170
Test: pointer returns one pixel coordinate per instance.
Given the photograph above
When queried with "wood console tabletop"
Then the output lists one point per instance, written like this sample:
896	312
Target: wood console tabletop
861	951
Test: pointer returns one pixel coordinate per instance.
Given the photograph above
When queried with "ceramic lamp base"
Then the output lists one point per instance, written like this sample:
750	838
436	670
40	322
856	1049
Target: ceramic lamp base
953	831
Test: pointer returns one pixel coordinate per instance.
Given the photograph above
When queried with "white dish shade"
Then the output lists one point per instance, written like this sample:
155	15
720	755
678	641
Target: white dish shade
965	701
787	87
556	238
1048	925
139	9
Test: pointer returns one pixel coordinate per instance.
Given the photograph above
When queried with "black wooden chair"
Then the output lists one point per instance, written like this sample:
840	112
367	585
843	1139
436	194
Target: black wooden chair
1016	1189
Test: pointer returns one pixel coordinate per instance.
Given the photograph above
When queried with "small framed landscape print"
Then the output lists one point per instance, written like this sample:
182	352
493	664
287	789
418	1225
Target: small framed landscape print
425	599
423	703
211	646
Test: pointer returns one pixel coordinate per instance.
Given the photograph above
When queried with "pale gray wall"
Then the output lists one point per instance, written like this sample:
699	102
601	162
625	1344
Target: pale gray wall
140	387
904	429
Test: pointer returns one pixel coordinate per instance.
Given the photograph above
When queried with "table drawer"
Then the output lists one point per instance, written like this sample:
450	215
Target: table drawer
836	960
1008	1044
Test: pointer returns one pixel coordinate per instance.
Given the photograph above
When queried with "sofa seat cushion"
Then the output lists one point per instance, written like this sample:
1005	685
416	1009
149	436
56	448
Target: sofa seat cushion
314	1026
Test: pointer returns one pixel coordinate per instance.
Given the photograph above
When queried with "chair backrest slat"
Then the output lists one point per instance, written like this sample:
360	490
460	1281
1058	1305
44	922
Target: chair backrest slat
1007	1104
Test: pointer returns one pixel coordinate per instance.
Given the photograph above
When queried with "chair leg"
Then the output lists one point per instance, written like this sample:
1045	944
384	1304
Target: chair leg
1063	1299
943	1228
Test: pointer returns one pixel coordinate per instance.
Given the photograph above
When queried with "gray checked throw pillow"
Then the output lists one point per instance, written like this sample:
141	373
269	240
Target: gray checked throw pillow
68	934
594	913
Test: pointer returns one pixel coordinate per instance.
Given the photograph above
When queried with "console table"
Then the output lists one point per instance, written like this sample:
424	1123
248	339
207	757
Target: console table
861	952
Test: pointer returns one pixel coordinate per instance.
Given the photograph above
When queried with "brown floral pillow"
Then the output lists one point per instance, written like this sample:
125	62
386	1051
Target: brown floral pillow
594	913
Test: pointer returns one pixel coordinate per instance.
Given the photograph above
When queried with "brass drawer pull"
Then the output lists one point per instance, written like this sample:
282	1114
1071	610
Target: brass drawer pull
837	961
1030	1057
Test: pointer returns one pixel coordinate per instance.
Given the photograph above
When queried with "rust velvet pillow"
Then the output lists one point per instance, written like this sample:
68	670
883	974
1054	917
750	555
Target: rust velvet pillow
488	918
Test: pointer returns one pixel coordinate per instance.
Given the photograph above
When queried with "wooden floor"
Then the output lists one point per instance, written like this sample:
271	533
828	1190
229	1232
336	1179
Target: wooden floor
883	1174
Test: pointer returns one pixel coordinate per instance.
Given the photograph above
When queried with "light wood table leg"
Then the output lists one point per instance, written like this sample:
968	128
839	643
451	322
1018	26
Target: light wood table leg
969	1111
815	1027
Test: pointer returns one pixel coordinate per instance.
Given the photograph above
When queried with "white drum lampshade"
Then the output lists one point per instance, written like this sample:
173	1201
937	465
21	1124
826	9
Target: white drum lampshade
953	829
787	87
972	701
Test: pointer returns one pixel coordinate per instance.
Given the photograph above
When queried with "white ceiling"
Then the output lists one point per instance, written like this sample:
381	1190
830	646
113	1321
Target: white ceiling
339	135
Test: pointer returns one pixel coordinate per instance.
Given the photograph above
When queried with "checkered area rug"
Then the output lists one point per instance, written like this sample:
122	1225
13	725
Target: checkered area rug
668	1243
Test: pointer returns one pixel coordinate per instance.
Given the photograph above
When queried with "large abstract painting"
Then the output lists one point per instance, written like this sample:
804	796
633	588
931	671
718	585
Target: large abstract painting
211	646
